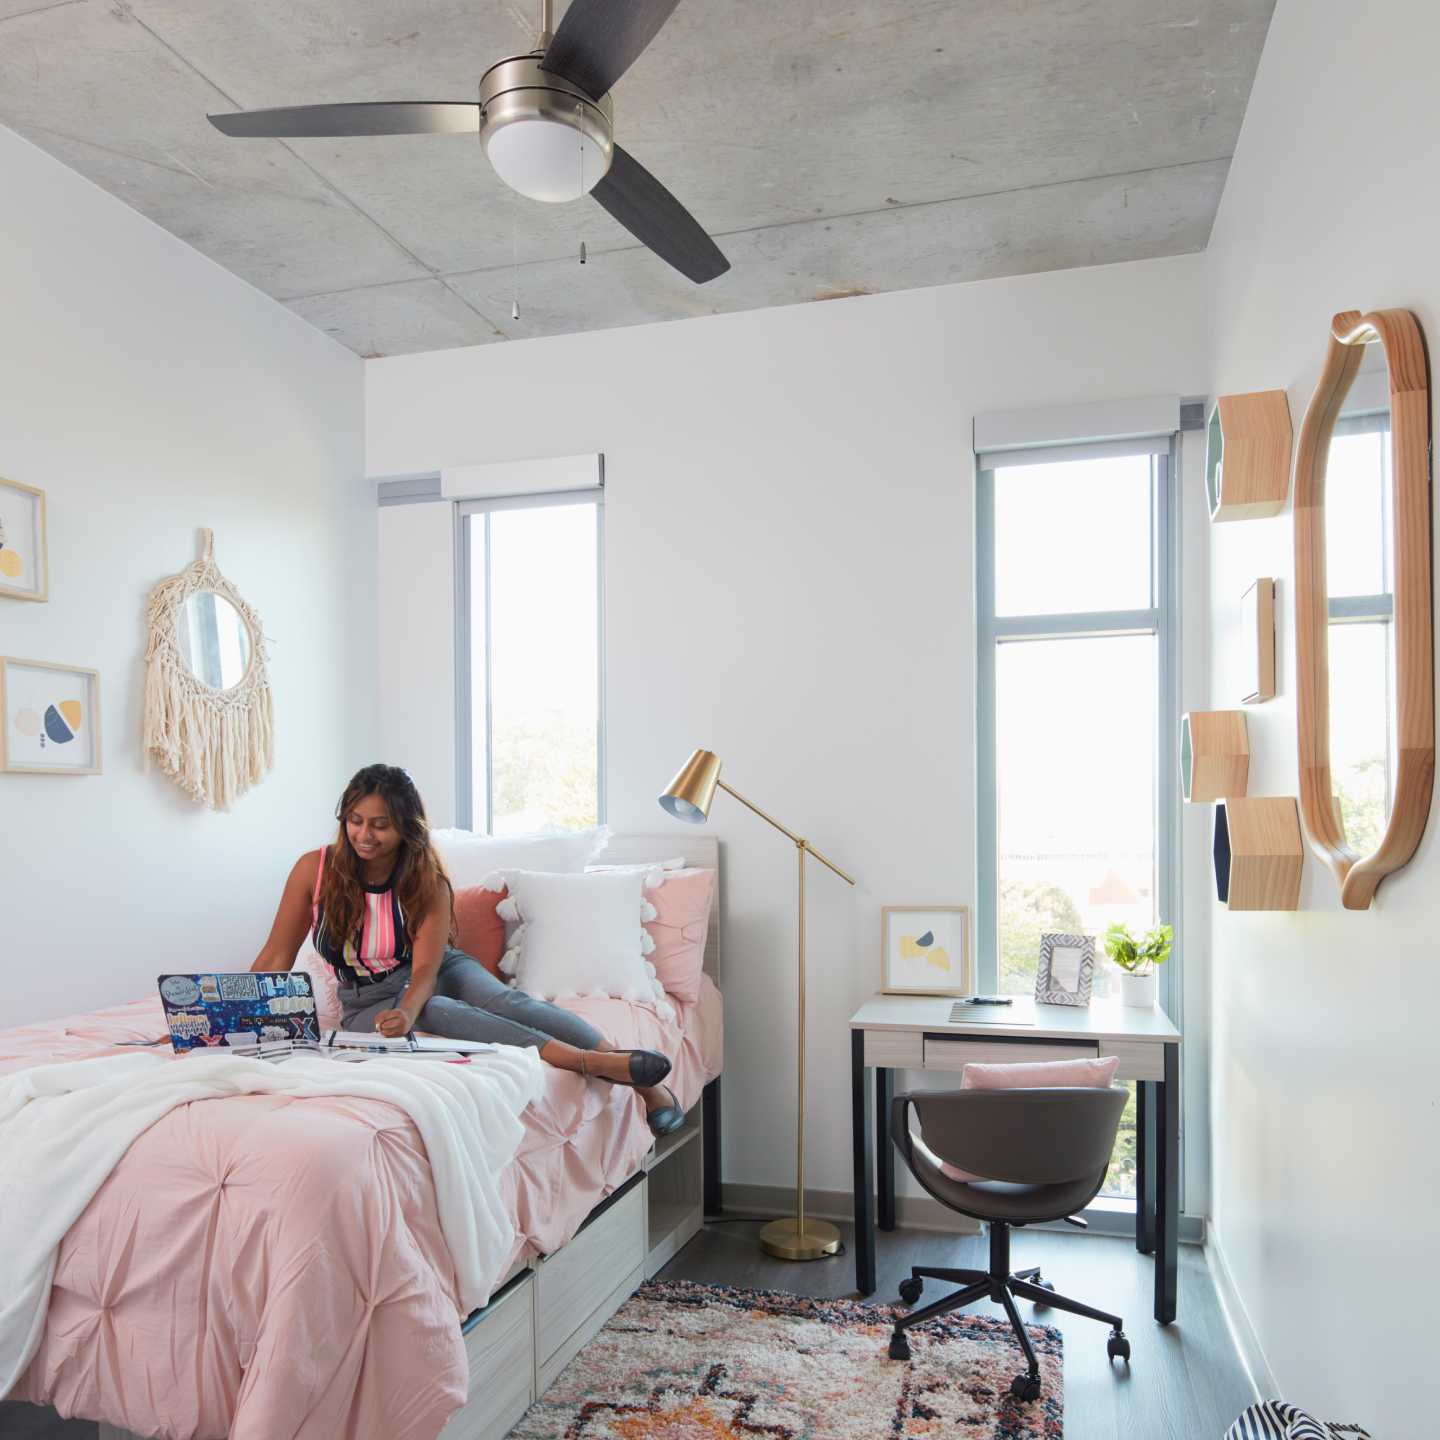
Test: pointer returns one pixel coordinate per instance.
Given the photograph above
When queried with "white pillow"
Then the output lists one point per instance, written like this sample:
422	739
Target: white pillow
468	858
581	935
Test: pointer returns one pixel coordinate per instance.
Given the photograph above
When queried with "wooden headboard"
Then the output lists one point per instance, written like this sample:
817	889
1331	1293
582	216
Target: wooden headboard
700	851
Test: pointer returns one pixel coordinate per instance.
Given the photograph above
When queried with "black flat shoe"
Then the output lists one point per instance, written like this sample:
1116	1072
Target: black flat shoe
669	1118
647	1067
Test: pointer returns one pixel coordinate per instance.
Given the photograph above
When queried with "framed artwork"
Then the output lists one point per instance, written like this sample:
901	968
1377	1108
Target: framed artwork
1067	969
24	574
925	950
49	718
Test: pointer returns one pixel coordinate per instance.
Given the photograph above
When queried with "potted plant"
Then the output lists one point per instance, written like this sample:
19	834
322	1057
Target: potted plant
1137	960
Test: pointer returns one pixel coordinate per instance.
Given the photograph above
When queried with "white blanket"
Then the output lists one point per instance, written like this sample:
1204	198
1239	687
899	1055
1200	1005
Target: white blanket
63	1129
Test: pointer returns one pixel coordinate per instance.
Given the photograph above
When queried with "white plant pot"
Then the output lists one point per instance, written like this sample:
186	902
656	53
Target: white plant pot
1138	991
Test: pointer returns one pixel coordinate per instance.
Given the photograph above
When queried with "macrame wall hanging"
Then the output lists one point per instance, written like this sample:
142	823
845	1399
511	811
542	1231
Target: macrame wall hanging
208	718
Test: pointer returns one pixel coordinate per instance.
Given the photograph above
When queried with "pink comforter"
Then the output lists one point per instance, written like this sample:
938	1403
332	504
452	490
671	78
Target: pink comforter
263	1268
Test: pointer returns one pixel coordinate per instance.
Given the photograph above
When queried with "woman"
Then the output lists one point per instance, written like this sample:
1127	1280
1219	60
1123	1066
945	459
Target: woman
381	909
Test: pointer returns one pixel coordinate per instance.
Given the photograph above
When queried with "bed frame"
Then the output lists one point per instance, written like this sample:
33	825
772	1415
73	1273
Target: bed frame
549	1308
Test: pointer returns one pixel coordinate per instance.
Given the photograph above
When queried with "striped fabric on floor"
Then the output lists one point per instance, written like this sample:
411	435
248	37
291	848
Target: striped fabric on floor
1275	1420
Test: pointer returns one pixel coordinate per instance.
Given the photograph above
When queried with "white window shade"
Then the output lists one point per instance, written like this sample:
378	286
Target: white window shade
1146	423
548	476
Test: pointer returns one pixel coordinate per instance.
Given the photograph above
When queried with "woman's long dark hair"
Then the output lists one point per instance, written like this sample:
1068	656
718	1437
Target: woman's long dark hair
419	875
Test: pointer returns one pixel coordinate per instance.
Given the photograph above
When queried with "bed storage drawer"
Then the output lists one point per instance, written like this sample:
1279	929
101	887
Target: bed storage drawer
500	1347
956	1054
572	1284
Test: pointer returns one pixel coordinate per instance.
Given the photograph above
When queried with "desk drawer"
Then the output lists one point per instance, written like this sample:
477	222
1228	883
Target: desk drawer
957	1054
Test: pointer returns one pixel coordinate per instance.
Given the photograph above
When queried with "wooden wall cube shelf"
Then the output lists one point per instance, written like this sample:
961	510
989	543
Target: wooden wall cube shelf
1214	755
1247	455
1257	642
1258	854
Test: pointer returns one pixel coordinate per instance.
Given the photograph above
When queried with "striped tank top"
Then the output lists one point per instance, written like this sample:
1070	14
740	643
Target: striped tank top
382	943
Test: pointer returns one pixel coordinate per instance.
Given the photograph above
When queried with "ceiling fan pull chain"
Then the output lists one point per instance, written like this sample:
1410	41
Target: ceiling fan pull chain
546	34
514	262
582	180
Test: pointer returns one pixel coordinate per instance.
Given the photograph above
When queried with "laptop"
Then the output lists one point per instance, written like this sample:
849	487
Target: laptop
239	1009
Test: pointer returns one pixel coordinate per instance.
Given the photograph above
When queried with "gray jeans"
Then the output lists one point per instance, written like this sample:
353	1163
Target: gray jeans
469	1003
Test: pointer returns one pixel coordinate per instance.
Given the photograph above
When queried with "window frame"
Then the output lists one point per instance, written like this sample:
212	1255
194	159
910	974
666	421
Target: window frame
465	511
1160	618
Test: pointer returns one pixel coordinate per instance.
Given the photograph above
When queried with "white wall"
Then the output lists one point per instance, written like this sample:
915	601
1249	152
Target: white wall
149	393
789	583
1326	1121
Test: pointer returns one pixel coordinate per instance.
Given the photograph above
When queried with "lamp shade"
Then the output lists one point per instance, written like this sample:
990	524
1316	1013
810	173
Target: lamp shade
688	795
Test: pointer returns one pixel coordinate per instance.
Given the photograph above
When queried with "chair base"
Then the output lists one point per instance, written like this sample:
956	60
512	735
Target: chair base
1004	1288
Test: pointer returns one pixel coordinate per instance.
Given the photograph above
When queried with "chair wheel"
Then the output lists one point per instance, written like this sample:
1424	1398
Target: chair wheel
911	1289
1118	1347
899	1346
1025	1387
1044	1285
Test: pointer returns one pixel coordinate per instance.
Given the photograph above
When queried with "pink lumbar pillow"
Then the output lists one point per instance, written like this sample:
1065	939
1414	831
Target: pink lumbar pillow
679	929
1031	1075
479	931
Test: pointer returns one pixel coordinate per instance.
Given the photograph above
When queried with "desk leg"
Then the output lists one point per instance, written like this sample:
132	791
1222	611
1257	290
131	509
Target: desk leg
1167	1187
863	1164
884	1150
1145	1167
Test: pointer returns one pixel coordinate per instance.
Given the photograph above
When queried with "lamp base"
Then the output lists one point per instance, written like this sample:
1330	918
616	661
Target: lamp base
781	1239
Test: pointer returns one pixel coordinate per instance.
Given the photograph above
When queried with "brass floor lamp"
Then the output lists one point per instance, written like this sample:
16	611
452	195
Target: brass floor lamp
688	797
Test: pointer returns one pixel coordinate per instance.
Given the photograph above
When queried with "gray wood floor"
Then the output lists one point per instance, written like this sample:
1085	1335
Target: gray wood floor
1185	1381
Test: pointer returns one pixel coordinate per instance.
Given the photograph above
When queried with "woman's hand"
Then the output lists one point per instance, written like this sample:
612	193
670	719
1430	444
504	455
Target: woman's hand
394	1023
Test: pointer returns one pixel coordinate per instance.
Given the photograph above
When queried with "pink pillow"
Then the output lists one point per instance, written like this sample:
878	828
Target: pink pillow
479	931
1031	1075
324	984
679	930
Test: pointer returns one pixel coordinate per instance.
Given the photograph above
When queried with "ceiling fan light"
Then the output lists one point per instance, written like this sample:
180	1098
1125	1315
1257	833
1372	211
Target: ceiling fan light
545	159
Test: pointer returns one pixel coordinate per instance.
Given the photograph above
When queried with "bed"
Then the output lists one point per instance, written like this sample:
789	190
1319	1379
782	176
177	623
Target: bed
259	1268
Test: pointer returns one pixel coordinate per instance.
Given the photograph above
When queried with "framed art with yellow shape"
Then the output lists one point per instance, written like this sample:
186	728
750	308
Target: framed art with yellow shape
24	572
49	718
925	950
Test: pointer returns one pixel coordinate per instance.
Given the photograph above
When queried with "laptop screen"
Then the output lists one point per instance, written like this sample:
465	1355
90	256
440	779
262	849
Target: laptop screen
238	1008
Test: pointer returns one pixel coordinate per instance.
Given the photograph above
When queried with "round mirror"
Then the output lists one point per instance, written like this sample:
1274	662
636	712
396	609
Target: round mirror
214	640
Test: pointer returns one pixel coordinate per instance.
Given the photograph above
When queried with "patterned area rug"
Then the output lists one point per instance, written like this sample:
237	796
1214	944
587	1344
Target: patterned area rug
680	1361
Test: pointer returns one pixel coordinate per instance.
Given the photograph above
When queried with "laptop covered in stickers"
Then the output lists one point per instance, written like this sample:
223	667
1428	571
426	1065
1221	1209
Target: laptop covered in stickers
239	1009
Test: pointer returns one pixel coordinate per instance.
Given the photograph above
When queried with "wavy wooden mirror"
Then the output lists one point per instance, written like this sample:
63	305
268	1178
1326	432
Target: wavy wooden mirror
1365	699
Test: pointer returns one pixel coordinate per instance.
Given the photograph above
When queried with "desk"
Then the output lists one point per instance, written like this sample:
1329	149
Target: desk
912	1032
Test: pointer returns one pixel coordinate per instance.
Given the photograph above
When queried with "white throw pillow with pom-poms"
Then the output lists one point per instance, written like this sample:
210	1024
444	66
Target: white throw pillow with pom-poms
580	935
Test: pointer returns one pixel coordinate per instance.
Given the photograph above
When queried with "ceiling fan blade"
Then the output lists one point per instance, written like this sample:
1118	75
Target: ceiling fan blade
385	117
599	40
656	218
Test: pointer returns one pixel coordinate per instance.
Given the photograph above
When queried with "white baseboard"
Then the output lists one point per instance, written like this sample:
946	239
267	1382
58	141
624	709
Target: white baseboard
1247	1342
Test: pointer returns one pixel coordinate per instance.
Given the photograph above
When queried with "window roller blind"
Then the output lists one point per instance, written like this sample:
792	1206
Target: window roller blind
1136	426
547	476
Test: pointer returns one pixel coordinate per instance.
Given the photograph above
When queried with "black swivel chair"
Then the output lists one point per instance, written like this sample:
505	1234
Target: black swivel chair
1048	1151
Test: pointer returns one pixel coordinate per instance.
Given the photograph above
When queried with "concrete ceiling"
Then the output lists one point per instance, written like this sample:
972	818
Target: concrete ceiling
832	147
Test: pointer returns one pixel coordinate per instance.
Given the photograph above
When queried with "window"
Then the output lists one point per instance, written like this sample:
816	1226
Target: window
1077	718
1358	567
529	663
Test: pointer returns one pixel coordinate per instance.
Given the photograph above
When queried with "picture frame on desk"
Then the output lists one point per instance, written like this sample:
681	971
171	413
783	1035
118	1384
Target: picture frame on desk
1066	973
925	950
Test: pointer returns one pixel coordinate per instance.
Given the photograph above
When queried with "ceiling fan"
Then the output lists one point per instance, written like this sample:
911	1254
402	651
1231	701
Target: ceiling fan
546	121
